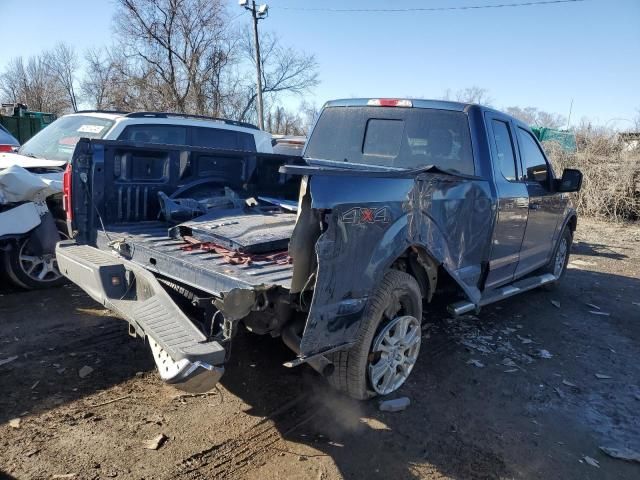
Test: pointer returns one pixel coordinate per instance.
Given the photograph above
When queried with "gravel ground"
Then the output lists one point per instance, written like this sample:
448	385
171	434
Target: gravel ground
530	388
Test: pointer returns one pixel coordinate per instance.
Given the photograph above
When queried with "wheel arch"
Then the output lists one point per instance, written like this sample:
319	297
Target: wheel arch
417	262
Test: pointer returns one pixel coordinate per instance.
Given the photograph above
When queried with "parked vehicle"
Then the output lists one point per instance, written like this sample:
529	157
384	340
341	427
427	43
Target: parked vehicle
288	144
52	148
29	192
397	201
8	142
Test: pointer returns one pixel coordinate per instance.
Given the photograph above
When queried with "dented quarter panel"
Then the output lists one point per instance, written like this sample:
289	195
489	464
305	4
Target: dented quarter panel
450	217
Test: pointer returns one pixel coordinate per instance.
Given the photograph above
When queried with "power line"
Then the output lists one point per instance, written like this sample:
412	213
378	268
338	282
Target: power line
429	9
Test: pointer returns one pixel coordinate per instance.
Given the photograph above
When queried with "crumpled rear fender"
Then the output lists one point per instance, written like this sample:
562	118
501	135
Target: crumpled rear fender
372	221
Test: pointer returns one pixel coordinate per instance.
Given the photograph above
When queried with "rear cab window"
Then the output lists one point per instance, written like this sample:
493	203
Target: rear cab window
395	137
505	160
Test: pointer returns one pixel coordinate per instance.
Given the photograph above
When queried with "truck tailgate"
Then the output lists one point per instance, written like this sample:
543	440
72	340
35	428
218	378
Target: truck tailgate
206	270
183	354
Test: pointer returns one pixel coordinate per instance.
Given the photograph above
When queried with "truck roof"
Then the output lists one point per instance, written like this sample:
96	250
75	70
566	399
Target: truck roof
415	102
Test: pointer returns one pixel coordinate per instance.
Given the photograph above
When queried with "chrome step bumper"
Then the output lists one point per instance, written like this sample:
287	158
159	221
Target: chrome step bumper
183	355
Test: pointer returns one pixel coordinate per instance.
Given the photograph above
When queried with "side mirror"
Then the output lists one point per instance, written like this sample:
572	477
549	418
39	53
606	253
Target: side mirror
571	181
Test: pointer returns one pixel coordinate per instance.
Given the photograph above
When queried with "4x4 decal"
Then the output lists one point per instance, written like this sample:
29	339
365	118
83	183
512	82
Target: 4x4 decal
361	215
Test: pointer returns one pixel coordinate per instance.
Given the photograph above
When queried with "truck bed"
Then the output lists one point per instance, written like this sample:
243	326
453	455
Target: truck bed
152	248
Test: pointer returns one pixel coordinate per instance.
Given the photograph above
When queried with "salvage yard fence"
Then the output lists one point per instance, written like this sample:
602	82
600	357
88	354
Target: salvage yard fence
611	183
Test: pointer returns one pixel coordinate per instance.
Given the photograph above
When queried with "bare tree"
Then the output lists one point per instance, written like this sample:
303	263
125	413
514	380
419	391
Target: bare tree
284	71
31	83
474	94
537	118
177	46
62	64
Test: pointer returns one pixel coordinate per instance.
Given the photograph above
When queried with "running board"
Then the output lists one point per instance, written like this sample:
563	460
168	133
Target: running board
492	296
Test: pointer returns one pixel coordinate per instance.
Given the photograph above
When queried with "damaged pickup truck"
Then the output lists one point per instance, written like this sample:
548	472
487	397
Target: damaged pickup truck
393	202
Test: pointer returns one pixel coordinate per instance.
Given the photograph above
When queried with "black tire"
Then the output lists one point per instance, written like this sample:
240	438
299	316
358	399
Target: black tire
557	265
17	271
398	294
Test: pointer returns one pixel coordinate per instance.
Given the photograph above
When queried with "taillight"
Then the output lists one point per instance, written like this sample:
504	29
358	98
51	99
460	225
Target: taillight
389	102
66	192
6	148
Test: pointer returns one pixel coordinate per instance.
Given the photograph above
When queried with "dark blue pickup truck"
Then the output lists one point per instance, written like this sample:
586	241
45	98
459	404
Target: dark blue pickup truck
393	201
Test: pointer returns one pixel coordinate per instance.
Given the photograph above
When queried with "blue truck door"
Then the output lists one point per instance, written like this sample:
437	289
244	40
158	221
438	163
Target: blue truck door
545	209
513	202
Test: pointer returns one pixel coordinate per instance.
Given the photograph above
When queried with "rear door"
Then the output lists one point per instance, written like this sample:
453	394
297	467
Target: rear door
513	201
545	208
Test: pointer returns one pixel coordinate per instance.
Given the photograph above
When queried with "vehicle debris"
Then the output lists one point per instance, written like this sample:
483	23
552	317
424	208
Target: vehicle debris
395	405
15	422
591	461
555	303
524	340
4	361
507	362
602	376
475	363
156	442
622	453
84	371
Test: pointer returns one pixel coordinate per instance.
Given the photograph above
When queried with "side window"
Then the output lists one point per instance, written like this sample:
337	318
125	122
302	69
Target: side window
223	139
532	158
506	160
167	134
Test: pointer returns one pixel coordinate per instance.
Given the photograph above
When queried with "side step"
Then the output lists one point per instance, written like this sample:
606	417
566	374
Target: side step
183	355
465	306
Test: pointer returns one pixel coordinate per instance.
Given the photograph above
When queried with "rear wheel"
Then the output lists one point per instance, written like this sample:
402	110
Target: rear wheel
388	344
31	271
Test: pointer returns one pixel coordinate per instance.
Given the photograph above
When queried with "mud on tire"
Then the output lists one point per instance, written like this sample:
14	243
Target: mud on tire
397	295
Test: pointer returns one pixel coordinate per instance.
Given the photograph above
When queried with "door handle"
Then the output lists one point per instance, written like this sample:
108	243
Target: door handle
534	206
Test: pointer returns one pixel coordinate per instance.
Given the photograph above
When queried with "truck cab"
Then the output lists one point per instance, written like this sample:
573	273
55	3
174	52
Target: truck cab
393	202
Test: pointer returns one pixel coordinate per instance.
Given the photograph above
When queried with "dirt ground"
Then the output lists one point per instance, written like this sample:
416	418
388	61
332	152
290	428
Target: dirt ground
511	393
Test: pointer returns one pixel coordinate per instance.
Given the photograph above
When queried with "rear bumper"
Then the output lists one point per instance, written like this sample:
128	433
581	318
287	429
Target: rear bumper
183	354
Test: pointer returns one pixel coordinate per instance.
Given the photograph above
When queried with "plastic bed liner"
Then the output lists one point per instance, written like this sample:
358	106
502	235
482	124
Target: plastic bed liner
149	245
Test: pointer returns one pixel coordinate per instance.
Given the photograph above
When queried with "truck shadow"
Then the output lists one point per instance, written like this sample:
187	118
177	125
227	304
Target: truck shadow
597	250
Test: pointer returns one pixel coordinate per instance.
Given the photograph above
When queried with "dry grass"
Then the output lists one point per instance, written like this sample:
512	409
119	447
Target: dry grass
611	184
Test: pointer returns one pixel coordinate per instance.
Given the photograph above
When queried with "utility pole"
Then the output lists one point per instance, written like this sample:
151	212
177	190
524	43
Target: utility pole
258	12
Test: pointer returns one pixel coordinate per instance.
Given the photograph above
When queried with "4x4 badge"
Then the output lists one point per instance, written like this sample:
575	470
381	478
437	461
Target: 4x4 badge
360	215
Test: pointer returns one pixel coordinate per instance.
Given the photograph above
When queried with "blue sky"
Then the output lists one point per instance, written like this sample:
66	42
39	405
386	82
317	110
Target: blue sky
540	56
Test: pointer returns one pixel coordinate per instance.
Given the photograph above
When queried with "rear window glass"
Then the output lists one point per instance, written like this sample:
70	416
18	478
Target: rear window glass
383	138
165	134
393	137
223	139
